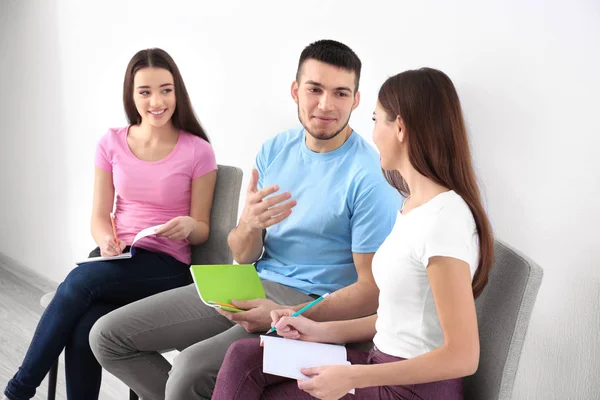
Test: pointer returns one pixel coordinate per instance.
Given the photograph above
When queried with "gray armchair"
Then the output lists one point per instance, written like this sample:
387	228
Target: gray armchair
503	313
223	218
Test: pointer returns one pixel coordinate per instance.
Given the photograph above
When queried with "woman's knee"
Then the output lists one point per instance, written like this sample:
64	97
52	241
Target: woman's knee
76	284
243	352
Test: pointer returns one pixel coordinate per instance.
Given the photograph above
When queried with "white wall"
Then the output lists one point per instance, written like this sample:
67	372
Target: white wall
526	73
34	217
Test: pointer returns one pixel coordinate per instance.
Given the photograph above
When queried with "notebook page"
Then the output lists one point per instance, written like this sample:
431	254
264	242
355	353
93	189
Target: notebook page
145	232
285	357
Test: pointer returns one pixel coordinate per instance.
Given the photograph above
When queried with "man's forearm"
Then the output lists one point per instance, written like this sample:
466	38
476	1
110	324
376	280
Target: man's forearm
246	244
355	301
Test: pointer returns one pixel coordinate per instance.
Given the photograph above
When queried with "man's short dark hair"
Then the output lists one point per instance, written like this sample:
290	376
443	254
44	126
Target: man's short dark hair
332	53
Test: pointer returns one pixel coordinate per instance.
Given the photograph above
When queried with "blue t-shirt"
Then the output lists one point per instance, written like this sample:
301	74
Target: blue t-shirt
344	205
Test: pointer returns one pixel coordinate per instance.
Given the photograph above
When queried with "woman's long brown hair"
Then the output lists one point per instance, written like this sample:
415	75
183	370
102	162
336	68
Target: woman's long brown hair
183	117
438	147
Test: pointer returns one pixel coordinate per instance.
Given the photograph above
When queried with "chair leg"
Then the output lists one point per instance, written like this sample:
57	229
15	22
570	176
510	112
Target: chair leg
52	381
132	395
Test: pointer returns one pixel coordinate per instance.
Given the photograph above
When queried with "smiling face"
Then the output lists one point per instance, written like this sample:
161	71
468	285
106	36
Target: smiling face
326	97
154	96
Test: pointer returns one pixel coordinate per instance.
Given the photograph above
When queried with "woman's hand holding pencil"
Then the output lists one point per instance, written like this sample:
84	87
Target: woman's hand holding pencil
111	246
298	328
108	248
291	325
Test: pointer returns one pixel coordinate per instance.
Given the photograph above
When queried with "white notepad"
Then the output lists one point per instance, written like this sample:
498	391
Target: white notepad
140	235
285	357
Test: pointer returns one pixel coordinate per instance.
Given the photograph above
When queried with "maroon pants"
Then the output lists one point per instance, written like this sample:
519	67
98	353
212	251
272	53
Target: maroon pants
241	377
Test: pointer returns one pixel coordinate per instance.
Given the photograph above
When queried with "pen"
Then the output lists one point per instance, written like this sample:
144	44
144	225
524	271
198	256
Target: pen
300	311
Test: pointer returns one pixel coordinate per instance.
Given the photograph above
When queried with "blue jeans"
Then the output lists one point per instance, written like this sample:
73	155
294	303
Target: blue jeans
89	292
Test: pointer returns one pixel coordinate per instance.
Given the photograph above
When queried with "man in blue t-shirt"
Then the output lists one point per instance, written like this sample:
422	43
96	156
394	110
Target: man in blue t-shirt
344	209
317	209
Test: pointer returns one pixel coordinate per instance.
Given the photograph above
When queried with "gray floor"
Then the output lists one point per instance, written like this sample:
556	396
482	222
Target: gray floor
20	310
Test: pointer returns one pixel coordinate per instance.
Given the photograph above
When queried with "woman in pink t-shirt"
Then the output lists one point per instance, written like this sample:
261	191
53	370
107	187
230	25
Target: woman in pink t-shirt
162	170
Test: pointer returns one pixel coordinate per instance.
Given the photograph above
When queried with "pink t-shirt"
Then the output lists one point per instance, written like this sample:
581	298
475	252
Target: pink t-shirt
153	192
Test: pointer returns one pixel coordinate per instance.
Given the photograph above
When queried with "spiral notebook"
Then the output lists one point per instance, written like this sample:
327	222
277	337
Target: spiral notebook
142	234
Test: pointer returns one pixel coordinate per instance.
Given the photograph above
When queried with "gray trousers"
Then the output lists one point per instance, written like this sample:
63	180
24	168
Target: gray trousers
128	341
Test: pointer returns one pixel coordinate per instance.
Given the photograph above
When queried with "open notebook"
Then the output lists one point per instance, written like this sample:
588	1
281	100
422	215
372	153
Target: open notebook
285	357
217	285
142	234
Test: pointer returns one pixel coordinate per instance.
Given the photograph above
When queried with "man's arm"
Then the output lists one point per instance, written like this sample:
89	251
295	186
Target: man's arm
354	301
246	244
259	213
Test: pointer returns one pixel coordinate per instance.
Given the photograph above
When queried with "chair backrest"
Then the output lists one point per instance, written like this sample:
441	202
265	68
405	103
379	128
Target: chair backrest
223	218
503	313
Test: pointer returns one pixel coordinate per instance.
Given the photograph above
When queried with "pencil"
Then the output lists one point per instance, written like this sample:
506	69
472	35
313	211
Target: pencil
300	311
114	228
224	305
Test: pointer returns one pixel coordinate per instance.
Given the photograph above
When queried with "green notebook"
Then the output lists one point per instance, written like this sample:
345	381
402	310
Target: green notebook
222	283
